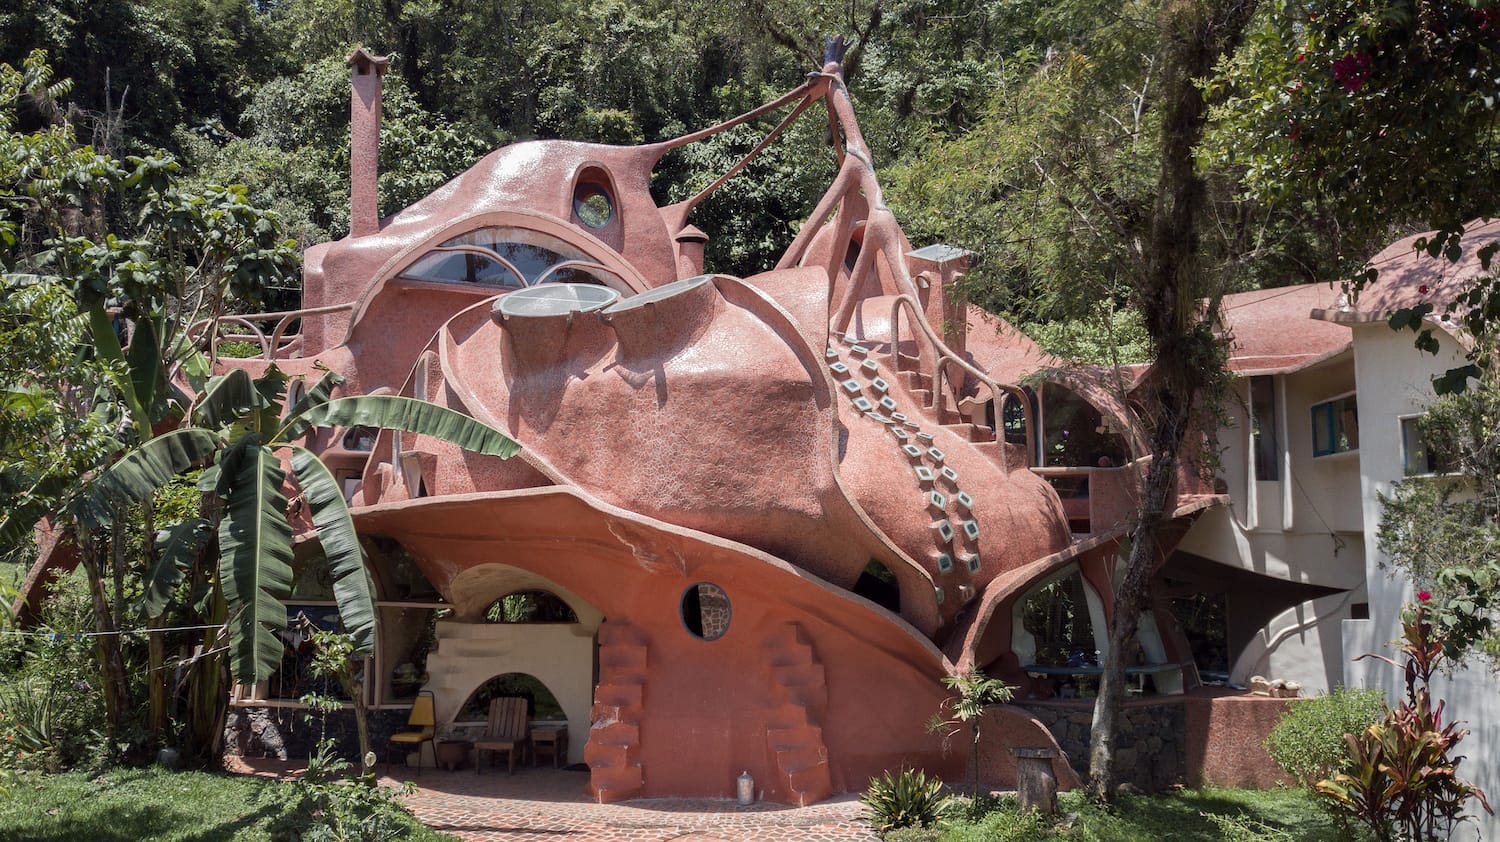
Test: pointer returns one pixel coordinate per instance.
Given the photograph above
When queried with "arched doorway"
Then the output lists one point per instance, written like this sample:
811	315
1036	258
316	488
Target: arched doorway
515	633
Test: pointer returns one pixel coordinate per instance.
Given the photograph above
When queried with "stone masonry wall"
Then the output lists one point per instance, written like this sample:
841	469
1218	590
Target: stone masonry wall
1152	748
285	733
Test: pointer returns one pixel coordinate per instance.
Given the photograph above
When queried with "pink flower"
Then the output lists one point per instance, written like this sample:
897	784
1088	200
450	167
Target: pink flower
1423	596
1351	71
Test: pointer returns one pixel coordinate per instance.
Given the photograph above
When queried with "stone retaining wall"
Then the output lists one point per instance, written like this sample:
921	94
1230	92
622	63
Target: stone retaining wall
285	733
1151	752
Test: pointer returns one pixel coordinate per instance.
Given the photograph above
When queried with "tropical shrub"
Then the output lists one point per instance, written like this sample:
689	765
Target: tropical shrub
1006	824
329	806
1402	781
1308	742
1242	828
914	834
905	799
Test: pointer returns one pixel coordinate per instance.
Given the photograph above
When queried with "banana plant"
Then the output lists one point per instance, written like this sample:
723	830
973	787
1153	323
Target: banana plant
237	430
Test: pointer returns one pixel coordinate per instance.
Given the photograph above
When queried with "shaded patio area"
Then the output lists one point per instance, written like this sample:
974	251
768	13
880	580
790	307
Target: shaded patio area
546	803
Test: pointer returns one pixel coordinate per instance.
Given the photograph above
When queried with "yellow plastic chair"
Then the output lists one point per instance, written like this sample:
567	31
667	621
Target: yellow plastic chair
423	718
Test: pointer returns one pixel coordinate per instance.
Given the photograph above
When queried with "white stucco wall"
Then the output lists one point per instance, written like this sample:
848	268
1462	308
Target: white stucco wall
1395	380
560	655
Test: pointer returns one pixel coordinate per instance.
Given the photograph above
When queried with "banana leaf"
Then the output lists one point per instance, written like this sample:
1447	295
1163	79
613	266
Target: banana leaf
141	472
255	559
353	589
414	416
227	399
178	547
316	396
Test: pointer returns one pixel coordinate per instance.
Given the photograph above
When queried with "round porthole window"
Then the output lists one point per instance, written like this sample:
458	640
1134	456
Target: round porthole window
705	610
592	205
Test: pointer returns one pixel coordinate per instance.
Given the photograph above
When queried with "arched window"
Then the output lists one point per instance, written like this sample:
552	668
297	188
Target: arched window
530	607
508	258
878	584
540	703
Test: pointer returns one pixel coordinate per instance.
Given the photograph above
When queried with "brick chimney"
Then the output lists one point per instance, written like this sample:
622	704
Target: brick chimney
366	75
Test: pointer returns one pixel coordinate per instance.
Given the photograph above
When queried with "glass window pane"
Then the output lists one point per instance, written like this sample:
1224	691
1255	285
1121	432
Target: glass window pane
1263	424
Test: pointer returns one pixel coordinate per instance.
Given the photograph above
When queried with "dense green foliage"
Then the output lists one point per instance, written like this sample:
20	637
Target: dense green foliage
908	798
1308	742
1443	531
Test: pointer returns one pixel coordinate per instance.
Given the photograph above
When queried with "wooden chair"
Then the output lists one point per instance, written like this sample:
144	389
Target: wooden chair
421	717
509	731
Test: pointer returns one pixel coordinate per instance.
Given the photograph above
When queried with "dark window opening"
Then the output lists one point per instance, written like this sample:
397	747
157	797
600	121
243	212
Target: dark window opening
879	585
1335	426
540	703
360	439
705	611
592	206
1359	611
530	607
1263	427
1204	620
1057	616
1076	435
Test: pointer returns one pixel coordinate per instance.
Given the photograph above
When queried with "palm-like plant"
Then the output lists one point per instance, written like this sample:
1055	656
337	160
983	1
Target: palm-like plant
973	692
239	428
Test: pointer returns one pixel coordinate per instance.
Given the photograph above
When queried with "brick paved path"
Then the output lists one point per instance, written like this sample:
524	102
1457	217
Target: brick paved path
549	804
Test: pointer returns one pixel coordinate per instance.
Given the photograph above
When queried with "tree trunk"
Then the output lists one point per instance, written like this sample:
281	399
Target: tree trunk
1187	366
107	641
156	644
1131	597
207	690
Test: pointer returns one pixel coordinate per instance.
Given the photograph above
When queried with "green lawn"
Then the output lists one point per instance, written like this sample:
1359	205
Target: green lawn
127	805
1285	815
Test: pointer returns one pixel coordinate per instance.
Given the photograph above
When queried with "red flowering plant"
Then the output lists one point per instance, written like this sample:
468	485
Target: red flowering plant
1402	782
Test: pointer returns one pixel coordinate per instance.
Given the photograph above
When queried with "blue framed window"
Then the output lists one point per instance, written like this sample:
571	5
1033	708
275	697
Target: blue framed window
1335	426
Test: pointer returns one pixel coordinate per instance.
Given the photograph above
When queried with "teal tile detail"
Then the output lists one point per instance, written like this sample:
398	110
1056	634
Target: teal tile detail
851	386
927	437
899	433
879	385
878	418
945	562
864	405
950	475
971	529
937	455
924	474
888	403
938	592
944	530
899	416
839	368
851	338
937	500
869	366
858	350
912	451
830	354
965	500
973	562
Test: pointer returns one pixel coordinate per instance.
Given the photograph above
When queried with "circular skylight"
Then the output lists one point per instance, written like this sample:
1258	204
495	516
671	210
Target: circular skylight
554	300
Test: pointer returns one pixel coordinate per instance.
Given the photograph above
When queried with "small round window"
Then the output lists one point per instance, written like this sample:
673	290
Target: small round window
592	205
705	610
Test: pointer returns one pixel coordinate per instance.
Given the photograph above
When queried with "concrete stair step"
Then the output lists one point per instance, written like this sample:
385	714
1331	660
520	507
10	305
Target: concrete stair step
799	675
794	759
794	736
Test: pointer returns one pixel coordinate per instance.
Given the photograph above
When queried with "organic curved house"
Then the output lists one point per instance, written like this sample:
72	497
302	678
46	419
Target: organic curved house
758	519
